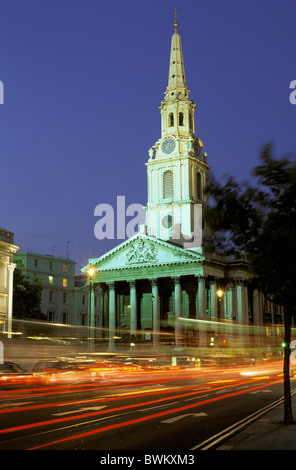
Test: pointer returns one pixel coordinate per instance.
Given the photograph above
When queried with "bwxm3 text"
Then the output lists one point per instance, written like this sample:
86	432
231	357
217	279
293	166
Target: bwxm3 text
169	459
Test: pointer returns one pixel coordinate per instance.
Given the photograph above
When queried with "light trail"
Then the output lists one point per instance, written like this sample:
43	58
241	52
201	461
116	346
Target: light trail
121	408
125	395
145	418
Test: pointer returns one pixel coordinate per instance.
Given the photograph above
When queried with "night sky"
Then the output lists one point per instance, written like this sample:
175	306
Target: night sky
83	82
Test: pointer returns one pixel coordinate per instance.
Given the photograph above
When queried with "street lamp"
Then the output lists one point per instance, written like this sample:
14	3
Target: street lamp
90	272
220	293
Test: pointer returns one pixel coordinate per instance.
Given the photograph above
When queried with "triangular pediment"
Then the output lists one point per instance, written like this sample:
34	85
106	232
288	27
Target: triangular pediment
142	250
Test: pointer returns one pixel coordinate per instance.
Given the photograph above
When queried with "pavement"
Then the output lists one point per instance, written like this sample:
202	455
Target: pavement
269	432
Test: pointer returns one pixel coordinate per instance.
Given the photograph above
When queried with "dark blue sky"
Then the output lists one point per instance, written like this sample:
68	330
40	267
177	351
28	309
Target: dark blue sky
83	82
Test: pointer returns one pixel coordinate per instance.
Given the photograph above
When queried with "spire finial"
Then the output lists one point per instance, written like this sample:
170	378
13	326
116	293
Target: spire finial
176	24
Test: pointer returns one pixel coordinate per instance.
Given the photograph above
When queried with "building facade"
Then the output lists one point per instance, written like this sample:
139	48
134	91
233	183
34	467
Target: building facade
7	266
65	297
160	286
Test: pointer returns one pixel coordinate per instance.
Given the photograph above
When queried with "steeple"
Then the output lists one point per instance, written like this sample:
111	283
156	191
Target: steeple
176	88
177	171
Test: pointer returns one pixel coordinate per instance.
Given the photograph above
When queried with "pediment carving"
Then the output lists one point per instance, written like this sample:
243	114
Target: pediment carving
141	251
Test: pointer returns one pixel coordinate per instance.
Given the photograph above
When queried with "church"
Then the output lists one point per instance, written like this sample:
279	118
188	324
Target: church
160	288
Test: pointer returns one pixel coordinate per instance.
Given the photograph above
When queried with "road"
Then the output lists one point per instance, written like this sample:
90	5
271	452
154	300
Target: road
157	410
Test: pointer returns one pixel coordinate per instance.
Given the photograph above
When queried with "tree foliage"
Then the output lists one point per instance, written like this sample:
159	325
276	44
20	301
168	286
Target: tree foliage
259	219
26	294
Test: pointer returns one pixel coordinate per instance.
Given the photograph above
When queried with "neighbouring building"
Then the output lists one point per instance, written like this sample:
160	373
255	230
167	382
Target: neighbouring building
65	297
7	266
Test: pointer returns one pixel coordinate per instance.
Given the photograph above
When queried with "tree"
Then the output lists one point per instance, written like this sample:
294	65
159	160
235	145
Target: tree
259	220
26	294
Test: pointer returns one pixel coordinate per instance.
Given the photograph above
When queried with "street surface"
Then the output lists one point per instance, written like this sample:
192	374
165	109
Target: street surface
165	409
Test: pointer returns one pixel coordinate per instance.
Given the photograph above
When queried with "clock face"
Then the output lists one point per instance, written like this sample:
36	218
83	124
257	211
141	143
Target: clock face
167	221
168	145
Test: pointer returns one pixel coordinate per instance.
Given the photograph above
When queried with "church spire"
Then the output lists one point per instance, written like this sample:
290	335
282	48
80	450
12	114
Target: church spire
176	88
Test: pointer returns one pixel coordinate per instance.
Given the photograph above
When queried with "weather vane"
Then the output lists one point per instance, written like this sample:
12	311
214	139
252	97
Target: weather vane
175	24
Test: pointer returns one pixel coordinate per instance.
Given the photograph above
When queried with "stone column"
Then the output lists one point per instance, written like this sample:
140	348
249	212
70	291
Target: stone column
112	315
257	308
11	268
213	299
133	309
155	312
242	311
229	312
178	311
201	311
91	315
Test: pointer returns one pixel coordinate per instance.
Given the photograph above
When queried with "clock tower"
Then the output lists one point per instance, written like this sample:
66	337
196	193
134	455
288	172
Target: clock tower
177	169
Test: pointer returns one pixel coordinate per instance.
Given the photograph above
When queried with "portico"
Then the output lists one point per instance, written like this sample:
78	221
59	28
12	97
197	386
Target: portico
158	294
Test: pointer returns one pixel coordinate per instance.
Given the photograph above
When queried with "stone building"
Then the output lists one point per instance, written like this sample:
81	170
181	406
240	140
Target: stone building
7	266
160	286
65	297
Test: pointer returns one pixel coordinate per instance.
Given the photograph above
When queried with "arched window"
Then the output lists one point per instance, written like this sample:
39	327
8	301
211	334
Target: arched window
171	119
198	186
181	119
168	184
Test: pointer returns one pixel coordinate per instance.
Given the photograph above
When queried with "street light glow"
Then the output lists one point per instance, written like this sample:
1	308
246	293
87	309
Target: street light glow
91	271
220	293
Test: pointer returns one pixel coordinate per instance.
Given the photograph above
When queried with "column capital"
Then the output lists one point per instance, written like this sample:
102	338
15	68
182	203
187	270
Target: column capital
177	279
132	283
239	282
153	282
111	284
11	266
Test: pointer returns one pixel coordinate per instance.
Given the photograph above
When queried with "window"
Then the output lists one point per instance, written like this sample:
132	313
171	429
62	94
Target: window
65	317
181	119
65	282
65	297
50	315
64	268
83	319
83	299
190	121
198	186
50	295
171	119
50	280
50	265
168	184
36	263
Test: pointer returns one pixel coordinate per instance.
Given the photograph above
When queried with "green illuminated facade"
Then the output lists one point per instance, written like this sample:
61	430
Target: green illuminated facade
160	287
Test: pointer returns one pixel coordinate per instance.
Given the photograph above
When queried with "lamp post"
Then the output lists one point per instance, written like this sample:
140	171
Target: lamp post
220	293
90	272
11	268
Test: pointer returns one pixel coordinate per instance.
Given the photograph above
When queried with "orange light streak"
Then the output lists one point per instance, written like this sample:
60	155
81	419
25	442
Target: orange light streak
121	408
145	418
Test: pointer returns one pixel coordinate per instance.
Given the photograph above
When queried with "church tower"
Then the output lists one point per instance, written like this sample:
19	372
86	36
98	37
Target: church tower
177	169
